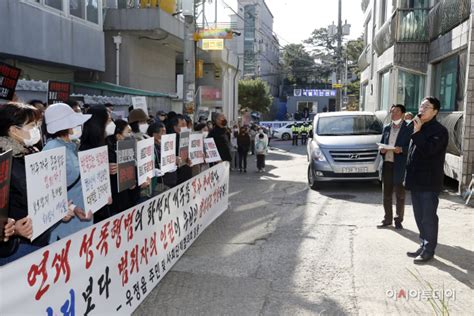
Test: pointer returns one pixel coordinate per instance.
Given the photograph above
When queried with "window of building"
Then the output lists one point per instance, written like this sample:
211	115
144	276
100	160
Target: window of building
57	4
410	90
449	82
385	11
305	105
363	96
77	8
93	11
384	91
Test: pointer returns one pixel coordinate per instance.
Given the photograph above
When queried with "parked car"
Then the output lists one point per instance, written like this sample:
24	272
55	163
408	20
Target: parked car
284	132
343	147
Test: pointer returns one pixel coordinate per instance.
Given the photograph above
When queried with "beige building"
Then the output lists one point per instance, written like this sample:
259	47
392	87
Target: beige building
416	48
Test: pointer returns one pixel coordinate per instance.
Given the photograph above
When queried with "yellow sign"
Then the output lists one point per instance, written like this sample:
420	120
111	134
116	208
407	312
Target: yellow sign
337	85
213	44
213	33
199	68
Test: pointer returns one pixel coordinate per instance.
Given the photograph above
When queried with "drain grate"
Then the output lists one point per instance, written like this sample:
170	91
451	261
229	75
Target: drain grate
342	196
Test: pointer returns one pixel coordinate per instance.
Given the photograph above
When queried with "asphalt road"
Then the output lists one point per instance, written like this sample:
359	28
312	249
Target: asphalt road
283	249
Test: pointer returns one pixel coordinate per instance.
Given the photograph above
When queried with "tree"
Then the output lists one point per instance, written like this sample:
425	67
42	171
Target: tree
254	94
297	63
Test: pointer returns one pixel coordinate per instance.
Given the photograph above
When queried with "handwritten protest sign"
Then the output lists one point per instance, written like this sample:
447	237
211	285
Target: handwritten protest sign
94	166
58	91
168	153
126	177
8	79
46	188
5	176
184	146
111	267
212	154
145	159
196	148
140	103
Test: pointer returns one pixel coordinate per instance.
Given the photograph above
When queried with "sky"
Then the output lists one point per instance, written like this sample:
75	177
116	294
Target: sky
294	20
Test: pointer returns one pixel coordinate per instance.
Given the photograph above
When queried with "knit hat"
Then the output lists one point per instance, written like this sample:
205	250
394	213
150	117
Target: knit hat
137	115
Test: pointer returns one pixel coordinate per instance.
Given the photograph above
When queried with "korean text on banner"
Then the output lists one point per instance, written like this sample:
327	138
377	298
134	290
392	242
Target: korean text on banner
168	153
46	188
140	103
126	177
184	146
111	267
8	79
212	154
196	148
58	91
95	178
145	159
5	176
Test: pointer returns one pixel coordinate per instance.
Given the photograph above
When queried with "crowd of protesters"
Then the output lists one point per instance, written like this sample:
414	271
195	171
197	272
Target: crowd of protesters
30	128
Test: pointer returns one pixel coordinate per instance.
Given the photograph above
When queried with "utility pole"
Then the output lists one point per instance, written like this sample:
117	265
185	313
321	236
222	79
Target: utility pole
339	56
189	56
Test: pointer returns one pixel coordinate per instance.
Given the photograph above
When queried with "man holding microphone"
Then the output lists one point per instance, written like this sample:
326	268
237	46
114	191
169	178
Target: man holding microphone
425	174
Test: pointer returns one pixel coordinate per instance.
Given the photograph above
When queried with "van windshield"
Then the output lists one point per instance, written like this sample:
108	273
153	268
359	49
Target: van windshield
349	125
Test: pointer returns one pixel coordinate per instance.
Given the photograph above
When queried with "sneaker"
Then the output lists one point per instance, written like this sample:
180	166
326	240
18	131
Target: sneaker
263	170
245	170
398	225
384	225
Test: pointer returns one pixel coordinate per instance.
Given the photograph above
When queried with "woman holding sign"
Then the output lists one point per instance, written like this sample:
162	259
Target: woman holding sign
19	131
60	121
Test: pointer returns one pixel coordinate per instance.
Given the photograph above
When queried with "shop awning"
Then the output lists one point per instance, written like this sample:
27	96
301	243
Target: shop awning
105	86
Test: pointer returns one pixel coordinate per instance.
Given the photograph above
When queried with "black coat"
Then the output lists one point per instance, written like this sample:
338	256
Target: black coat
425	165
222	140
124	200
403	141
243	142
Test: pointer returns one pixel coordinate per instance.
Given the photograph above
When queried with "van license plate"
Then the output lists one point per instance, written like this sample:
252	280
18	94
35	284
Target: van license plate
355	169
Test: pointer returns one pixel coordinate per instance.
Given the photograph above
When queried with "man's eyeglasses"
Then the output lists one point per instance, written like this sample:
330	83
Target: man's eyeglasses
425	107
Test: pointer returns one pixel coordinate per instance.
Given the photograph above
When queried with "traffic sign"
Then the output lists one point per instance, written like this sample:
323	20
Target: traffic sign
337	85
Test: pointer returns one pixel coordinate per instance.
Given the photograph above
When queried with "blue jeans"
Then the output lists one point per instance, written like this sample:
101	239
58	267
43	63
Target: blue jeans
425	206
23	250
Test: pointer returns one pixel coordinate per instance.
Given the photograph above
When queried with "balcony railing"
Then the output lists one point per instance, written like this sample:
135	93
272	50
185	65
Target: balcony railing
364	58
412	25
385	37
446	15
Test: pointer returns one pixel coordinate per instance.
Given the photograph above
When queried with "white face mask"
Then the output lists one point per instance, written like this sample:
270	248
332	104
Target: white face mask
408	121
143	128
110	129
397	121
205	134
35	137
76	133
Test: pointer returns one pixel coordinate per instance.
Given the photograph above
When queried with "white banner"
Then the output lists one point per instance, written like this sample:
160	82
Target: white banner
168	153
196	149
46	187
140	103
145	159
212	154
109	268
95	178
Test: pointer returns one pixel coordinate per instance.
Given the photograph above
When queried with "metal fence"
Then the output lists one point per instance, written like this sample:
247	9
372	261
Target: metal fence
446	15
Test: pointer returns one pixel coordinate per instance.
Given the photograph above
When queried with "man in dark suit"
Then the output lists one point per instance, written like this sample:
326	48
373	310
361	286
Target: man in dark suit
396	134
425	175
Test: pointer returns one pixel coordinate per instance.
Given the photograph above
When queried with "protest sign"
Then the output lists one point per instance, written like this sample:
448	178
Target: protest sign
5	176
212	154
8	79
95	178
184	146
126	177
58	91
112	266
145	159
196	148
168	153
46	188
140	103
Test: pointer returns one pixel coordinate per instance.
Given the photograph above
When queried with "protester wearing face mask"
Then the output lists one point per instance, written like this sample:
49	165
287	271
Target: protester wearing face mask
61	120
121	201
138	122
93	136
233	148
409	117
221	137
18	132
156	130
397	135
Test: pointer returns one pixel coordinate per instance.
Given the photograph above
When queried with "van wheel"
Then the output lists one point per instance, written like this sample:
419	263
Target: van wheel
285	136
314	185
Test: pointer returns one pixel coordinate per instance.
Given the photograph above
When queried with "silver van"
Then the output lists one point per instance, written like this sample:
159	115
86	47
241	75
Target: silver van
343	147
